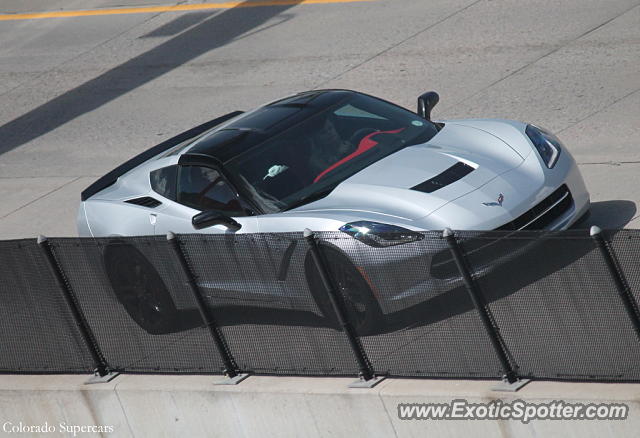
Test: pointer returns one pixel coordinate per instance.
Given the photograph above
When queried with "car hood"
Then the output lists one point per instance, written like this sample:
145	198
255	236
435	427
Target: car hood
386	186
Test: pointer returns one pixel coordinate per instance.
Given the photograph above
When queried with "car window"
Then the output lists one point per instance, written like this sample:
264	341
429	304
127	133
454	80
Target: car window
318	153
352	111
163	181
204	188
264	120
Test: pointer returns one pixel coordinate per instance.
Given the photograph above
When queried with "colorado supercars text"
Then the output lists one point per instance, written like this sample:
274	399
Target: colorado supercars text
62	427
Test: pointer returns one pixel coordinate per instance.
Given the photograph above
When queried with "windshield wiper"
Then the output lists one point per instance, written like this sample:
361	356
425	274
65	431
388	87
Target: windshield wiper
309	198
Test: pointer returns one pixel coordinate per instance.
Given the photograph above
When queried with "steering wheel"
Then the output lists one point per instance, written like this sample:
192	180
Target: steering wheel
361	133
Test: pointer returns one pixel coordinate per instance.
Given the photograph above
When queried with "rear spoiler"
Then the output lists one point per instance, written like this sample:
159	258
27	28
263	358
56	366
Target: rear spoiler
113	176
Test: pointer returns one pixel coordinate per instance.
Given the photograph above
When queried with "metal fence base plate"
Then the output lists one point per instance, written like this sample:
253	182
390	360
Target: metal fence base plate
231	380
505	386
97	378
366	383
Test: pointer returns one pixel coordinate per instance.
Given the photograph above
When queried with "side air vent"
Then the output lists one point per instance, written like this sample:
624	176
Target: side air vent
145	201
451	175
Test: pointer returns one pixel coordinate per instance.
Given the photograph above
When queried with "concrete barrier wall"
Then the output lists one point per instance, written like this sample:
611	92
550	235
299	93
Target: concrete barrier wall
192	406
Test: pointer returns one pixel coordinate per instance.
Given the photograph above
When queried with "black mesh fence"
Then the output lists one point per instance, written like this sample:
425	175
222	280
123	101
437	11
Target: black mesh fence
556	305
626	245
411	323
259	294
138	304
550	298
38	333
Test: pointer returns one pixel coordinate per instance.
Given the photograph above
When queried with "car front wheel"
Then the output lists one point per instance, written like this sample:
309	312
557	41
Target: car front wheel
362	308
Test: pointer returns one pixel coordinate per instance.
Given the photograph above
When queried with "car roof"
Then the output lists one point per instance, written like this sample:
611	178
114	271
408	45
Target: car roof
252	128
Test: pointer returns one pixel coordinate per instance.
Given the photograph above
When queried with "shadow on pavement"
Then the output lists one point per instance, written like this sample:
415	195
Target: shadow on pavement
208	35
609	215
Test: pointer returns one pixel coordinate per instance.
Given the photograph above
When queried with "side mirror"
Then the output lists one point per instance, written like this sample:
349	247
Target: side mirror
426	102
212	217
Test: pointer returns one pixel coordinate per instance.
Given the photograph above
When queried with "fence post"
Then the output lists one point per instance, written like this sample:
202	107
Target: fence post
510	377
367	376
624	291
102	372
230	366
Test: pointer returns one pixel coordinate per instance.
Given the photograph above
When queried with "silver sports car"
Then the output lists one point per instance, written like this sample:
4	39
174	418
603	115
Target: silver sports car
330	160
340	160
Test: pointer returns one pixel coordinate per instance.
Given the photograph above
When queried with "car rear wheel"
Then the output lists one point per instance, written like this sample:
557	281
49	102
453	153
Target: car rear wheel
362	308
140	289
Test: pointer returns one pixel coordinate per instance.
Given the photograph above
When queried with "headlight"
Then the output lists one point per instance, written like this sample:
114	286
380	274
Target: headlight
546	143
380	235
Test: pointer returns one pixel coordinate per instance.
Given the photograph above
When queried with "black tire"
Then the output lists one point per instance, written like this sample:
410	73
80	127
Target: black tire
362	308
140	289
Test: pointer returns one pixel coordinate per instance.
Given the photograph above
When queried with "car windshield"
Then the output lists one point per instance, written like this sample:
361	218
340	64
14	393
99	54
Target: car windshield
308	160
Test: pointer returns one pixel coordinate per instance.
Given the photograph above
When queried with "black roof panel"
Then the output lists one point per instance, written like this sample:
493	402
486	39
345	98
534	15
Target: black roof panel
111	177
256	126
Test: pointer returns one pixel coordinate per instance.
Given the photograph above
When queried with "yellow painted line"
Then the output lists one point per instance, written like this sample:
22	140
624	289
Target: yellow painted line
167	8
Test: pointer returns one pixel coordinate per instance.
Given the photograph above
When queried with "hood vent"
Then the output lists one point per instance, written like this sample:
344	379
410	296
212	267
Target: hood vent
145	201
451	175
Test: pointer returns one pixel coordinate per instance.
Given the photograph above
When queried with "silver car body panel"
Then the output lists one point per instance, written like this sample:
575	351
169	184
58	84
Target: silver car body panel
506	166
500	152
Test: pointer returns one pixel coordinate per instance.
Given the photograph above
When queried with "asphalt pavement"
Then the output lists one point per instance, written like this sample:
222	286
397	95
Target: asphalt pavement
86	85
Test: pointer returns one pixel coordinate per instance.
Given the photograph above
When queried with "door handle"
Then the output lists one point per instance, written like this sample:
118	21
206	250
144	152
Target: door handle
152	218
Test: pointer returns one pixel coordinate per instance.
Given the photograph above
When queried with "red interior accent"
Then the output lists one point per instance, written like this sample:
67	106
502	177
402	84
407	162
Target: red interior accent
365	144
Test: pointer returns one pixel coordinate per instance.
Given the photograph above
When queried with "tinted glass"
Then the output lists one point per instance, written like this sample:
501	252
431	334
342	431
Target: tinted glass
204	188
163	181
311	158
263	120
